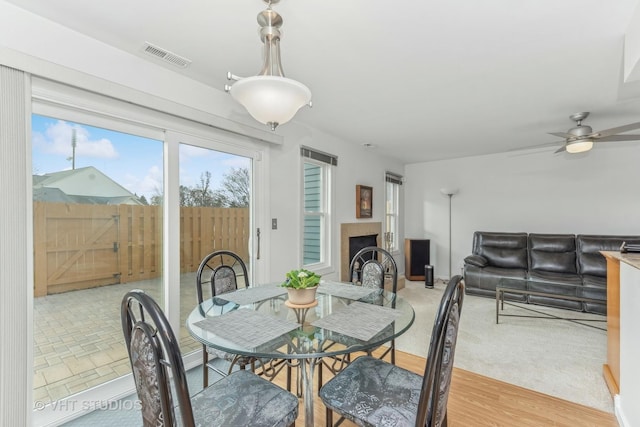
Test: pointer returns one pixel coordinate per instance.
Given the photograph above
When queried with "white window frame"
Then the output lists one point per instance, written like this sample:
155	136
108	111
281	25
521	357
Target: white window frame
392	212
325	212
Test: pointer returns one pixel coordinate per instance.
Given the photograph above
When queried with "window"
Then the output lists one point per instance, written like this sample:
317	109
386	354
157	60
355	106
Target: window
316	174
392	214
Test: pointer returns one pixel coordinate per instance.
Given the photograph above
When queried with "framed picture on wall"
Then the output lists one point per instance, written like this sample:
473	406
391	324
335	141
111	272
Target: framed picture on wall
364	201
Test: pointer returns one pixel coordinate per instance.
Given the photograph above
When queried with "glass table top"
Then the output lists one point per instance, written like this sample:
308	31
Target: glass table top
257	322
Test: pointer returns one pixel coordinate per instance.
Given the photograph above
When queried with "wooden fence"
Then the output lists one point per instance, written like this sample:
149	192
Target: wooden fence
84	246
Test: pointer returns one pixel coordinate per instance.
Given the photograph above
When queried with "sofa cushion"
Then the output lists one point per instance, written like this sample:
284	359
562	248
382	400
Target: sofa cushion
505	250
590	260
595	288
483	281
594	281
553	253
556	278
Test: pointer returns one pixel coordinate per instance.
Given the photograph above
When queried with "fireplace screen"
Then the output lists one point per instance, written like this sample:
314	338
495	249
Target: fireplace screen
360	242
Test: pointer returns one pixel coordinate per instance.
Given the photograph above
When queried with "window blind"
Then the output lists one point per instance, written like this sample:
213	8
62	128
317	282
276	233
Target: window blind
319	155
393	178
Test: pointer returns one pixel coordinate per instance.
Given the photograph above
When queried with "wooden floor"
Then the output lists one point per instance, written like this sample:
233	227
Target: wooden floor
476	401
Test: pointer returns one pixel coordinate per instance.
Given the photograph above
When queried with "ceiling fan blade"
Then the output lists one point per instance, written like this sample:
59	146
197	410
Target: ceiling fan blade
562	134
561	149
619	138
619	129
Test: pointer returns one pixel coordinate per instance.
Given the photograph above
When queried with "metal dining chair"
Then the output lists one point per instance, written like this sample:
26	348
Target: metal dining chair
373	392
221	272
241	398
218	273
370	267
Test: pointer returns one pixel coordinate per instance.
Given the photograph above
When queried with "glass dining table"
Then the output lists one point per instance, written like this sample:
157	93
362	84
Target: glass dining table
259	322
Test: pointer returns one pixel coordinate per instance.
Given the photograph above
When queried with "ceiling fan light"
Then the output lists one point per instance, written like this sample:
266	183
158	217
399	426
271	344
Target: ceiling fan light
271	99
579	146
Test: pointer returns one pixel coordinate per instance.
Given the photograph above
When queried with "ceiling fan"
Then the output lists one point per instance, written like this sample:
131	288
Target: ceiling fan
580	138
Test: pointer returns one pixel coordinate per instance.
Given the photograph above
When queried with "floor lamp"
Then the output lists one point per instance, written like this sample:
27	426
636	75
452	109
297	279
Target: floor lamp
450	192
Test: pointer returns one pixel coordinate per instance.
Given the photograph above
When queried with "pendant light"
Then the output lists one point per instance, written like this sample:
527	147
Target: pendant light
270	97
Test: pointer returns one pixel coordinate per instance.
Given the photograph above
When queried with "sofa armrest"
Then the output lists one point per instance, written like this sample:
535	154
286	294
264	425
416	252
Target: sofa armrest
477	260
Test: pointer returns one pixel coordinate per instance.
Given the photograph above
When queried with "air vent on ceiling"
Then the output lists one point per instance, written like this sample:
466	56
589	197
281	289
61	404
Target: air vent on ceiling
166	55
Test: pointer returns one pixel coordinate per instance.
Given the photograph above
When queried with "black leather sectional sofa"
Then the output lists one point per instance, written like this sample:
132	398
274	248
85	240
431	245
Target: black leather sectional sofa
560	264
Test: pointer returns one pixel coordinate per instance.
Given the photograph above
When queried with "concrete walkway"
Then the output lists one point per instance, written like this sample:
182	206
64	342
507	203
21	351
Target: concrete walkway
78	341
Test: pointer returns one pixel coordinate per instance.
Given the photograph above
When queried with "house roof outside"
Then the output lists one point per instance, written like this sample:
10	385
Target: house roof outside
83	185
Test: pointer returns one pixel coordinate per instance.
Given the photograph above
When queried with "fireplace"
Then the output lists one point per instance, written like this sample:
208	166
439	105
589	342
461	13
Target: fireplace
364	230
360	242
365	233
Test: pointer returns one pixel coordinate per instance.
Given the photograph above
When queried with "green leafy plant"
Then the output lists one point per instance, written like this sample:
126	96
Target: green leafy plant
301	279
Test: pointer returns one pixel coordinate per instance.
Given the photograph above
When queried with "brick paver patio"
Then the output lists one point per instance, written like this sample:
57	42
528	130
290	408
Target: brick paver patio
78	336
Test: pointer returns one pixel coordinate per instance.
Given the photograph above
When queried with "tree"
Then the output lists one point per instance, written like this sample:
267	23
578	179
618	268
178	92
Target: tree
234	191
157	198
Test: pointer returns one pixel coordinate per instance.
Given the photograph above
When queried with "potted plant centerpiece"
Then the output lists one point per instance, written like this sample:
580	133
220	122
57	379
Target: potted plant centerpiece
301	286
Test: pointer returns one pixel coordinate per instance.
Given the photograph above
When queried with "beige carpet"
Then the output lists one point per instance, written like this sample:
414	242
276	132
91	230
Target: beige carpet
555	357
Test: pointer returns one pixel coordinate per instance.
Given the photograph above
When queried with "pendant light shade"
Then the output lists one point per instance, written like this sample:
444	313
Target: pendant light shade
271	100
270	97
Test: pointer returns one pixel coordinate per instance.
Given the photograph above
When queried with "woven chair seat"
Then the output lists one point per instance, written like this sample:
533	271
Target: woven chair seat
230	357
372	392
227	403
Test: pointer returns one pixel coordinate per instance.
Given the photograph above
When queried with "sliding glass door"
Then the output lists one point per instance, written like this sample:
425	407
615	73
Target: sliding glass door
97	234
118	206
215	194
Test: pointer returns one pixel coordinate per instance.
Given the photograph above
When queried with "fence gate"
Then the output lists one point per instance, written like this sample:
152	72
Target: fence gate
84	246
76	247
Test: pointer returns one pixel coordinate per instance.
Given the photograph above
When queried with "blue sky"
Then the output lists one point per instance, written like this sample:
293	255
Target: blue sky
134	162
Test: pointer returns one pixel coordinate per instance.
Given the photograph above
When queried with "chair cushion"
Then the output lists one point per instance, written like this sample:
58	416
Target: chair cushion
223	278
236	359
371	392
144	361
244	399
372	274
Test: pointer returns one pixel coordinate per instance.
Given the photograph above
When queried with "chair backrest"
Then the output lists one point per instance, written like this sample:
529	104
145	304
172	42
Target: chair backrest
371	265
221	270
432	407
156	361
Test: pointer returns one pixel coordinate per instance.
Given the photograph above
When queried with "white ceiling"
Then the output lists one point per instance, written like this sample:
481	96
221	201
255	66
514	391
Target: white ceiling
420	80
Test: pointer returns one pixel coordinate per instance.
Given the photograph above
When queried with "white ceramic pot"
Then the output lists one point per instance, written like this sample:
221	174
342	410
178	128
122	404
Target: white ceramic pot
302	296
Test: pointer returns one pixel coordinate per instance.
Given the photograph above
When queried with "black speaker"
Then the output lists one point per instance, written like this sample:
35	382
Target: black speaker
416	257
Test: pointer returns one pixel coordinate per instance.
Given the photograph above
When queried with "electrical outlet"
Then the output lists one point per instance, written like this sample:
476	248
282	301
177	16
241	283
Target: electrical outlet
274	223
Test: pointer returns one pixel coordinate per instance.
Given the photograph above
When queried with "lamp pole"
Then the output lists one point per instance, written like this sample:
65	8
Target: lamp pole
449	193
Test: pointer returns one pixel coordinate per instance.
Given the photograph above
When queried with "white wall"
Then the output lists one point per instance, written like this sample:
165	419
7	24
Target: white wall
356	165
533	191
